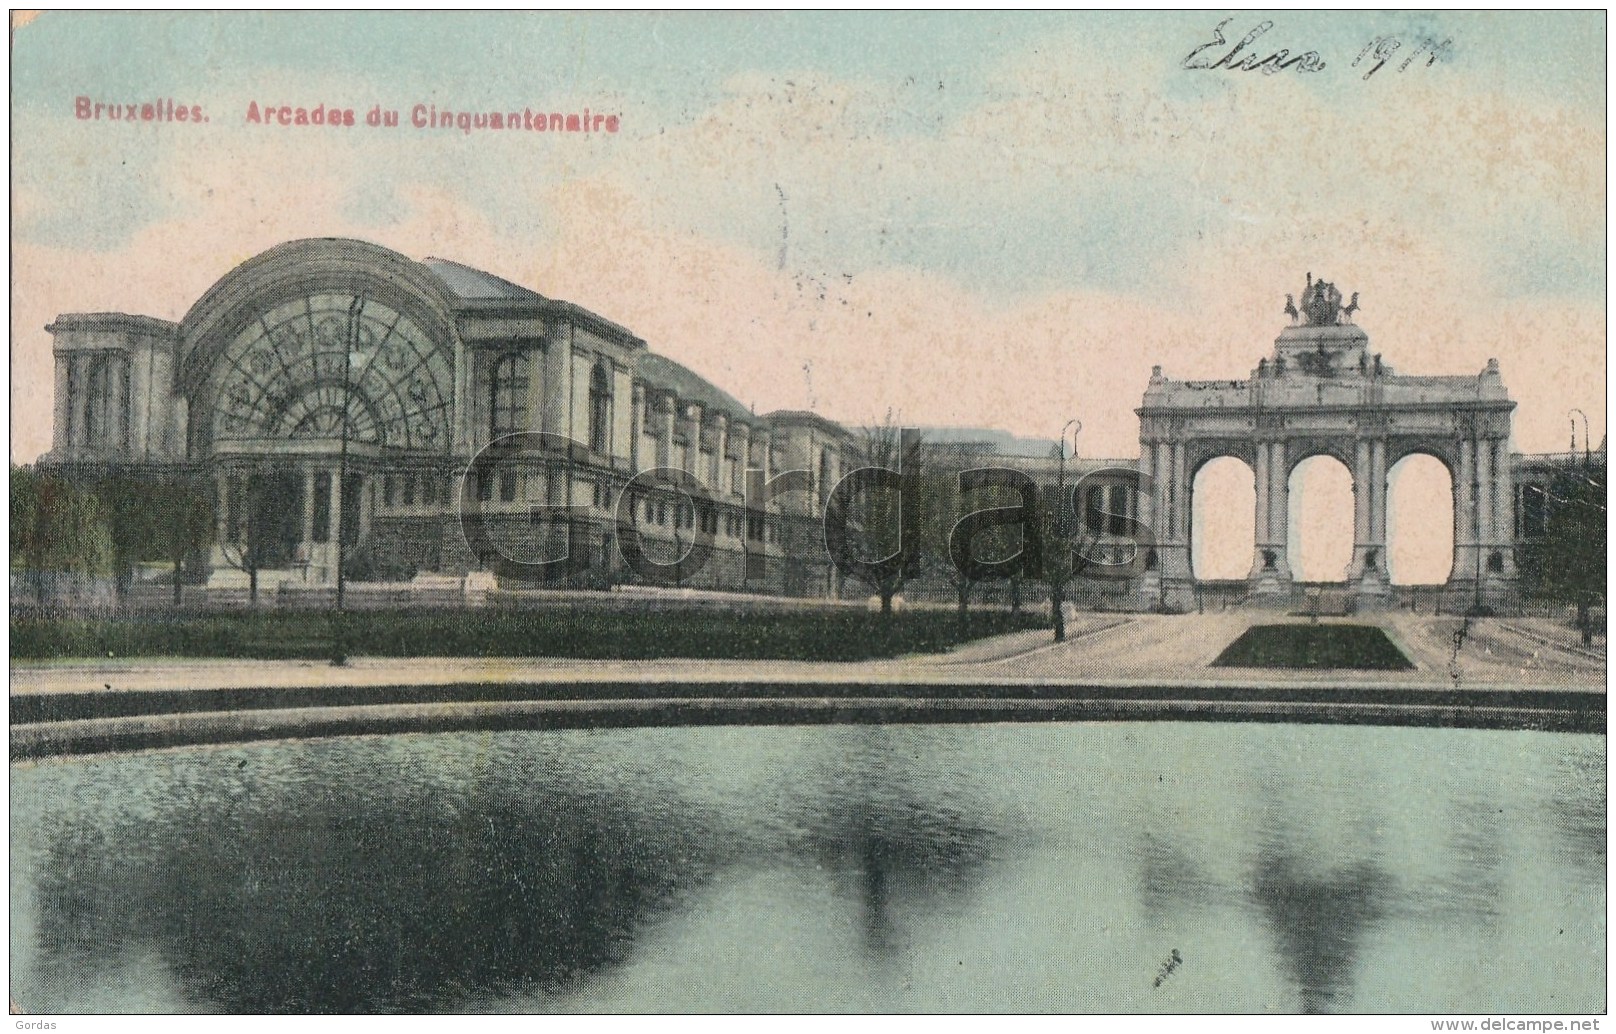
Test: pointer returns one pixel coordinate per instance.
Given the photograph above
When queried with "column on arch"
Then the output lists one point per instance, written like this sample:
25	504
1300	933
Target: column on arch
1504	504
1263	522
1485	539
1146	500
1377	499
1279	490
1181	495
1164	491
1463	514
1379	495
1363	533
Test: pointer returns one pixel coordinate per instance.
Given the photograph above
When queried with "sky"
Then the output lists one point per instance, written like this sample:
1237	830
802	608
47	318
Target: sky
981	220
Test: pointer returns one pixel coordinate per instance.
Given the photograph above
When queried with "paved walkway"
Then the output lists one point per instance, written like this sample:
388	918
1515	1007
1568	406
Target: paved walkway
1102	650
1485	674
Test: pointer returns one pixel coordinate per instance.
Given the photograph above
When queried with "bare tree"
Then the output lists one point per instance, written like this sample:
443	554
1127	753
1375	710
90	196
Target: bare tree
957	548
1069	548
875	520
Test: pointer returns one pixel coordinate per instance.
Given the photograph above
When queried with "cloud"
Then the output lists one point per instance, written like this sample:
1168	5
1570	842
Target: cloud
1011	259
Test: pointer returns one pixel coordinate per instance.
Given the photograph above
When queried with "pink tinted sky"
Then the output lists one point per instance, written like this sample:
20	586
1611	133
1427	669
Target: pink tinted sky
979	224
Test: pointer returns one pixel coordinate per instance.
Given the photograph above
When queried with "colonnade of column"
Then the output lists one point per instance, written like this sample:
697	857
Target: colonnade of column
1483	511
1369	564
318	540
1164	505
92	412
1270	567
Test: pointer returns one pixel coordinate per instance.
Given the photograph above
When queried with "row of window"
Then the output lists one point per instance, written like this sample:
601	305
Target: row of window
686	516
678	512
407	490
1107	508
508	411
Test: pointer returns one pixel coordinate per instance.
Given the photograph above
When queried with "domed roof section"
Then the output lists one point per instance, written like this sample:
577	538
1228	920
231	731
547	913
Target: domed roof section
475	285
658	371
301	267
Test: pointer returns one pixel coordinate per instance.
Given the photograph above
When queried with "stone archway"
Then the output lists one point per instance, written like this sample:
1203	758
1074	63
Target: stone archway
1321	537
1419	493
1322	391
1222	495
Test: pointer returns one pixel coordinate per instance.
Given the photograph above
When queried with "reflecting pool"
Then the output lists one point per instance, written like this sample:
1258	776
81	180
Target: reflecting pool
1067	867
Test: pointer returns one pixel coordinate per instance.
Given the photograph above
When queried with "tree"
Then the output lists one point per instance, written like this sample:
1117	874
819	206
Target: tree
1568	563
962	535
170	519
133	524
24	506
185	524
254	550
874	521
1070	547
60	529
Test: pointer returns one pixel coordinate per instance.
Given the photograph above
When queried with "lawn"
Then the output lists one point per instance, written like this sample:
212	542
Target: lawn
818	635
1314	646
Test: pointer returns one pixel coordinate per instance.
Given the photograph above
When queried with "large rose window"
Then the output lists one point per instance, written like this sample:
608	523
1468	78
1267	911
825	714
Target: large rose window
333	364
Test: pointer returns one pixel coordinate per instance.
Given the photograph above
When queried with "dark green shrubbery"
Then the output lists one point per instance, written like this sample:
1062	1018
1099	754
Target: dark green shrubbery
1314	646
817	635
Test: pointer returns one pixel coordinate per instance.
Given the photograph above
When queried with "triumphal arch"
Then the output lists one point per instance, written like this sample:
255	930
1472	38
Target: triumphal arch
1323	392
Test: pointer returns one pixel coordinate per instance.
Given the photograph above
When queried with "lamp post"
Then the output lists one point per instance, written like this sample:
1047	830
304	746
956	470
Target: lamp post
1057	576
350	342
339	653
1060	482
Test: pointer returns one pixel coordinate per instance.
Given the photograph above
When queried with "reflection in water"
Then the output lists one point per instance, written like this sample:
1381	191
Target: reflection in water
1578	809
1019	868
877	820
337	902
1318	922
902	867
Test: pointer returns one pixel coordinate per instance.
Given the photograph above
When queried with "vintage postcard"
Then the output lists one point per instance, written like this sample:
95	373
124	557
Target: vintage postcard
809	513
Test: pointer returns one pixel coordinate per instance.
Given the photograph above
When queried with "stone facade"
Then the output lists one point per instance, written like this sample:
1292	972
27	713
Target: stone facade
1322	392
336	394
343	400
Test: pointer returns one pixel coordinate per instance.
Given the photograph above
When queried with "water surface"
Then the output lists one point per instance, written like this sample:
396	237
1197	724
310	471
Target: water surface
889	868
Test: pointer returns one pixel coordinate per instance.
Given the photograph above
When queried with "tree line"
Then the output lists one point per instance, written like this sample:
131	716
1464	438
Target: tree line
102	526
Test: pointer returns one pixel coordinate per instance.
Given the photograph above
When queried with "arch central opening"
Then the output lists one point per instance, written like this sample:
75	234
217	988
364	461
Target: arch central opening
1320	512
1419	521
1223	519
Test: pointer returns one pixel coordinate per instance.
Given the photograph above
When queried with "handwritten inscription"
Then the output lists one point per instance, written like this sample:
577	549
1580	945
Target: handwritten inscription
1239	59
1246	56
1381	49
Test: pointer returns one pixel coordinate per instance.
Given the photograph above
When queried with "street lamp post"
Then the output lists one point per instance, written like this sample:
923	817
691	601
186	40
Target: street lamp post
1060	482
351	341
1057	578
